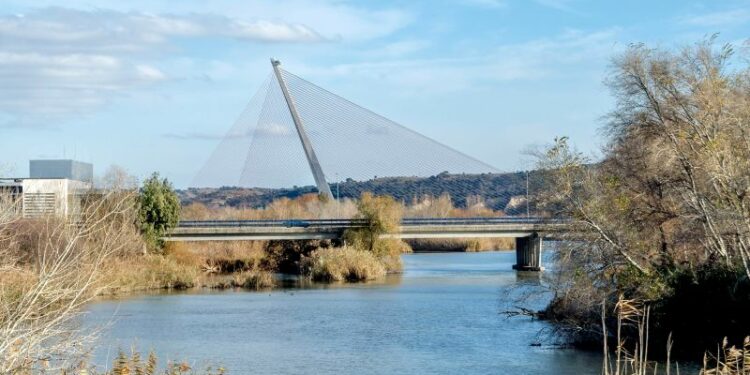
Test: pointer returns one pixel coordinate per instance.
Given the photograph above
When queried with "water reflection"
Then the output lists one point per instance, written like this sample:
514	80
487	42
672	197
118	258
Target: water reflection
441	316
290	282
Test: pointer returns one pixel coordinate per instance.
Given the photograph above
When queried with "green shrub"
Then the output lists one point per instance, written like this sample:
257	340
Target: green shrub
159	209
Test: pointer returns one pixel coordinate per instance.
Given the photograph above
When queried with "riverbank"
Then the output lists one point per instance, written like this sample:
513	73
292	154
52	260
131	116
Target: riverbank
244	264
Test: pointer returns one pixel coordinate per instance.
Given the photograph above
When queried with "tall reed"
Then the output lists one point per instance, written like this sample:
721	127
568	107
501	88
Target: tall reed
631	358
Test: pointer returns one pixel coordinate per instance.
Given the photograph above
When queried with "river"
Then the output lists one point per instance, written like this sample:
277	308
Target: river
443	315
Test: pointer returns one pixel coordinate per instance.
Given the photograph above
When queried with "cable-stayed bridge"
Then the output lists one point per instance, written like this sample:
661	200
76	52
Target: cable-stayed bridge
295	133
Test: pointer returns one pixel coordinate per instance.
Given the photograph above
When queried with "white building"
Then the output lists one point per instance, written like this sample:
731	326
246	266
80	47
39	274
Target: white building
53	189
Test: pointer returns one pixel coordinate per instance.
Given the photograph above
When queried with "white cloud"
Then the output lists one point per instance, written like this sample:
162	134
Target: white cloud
269	130
531	60
46	86
77	30
149	73
58	62
491	4
333	19
274	130
722	18
204	136
561	5
273	32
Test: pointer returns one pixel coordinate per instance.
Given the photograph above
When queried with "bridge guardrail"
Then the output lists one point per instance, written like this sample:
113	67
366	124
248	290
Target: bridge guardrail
352	223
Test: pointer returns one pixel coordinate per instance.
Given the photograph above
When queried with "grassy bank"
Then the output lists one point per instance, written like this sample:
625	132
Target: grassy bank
240	264
361	255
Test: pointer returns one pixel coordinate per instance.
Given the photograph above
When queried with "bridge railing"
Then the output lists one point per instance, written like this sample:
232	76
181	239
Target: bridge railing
353	223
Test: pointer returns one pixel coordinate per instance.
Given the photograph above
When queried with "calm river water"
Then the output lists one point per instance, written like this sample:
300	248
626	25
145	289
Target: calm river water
442	316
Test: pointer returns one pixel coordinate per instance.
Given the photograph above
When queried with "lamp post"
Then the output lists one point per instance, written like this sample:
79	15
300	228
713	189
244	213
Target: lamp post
528	213
338	200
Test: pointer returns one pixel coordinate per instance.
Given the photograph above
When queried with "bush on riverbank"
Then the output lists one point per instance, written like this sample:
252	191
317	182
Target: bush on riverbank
382	215
343	264
284	256
366	255
663	217
257	280
158	210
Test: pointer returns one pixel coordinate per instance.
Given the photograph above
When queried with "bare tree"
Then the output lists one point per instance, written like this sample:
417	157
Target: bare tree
117	178
672	191
49	269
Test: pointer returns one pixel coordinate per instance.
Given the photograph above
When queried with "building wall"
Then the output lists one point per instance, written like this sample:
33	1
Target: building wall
70	169
42	197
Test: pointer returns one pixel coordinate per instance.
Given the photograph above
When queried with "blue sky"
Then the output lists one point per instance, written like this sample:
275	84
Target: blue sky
152	85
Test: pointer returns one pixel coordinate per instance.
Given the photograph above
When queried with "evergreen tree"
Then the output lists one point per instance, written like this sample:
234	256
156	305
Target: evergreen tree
159	209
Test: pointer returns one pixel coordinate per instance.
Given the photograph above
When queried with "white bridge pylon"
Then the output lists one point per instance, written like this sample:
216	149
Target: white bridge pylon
317	171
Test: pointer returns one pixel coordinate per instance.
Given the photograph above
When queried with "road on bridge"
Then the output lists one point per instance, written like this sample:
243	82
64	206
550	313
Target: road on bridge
300	229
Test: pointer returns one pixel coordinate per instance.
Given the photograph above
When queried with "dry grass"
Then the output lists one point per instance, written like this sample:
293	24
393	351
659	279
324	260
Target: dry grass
343	264
145	272
50	269
490	244
257	280
462	244
308	206
188	265
442	206
135	364
219	256
728	360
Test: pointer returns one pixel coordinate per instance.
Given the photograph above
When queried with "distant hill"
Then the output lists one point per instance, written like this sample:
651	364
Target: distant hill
495	190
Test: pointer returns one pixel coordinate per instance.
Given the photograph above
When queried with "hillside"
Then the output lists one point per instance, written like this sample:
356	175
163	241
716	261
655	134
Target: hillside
495	190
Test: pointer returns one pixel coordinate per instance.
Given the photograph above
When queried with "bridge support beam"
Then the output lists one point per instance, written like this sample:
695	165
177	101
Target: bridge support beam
529	253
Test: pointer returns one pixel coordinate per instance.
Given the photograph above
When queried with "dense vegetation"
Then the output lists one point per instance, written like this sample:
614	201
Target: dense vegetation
49	270
495	190
665	215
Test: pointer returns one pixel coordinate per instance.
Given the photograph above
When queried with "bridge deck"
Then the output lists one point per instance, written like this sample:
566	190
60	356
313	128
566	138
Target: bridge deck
233	230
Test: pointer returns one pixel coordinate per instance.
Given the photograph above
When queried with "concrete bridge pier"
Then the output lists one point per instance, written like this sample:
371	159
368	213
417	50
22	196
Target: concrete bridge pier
529	253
